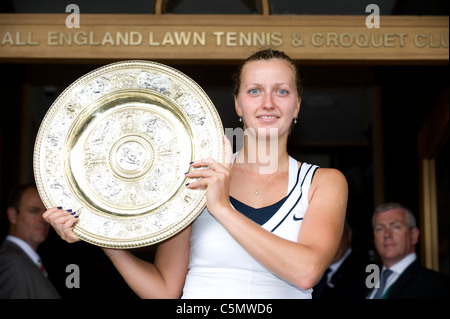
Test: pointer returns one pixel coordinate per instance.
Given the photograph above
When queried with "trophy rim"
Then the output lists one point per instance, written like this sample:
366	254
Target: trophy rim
179	102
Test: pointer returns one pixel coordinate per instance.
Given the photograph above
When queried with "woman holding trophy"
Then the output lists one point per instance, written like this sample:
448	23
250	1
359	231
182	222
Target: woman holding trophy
268	231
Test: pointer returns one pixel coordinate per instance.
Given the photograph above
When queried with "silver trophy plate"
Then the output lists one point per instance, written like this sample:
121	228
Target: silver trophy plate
115	146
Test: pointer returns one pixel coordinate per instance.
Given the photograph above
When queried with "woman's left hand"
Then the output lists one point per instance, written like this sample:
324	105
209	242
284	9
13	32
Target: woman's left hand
215	177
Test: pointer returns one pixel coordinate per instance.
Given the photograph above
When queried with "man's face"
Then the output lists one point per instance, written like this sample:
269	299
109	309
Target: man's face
27	224
393	237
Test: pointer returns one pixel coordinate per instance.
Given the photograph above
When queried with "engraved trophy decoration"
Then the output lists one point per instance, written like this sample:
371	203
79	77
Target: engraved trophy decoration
114	147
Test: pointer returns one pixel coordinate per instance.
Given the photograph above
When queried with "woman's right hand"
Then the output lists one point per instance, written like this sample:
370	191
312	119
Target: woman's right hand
62	221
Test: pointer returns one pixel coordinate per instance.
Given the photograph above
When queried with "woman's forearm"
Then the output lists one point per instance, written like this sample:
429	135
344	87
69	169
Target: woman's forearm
162	279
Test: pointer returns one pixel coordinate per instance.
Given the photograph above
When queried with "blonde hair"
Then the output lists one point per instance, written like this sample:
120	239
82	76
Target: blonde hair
266	55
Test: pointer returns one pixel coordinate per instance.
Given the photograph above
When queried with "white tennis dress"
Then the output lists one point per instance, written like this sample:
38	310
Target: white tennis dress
220	268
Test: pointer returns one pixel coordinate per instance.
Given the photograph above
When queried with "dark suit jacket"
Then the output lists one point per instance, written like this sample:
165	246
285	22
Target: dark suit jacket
20	278
348	280
418	282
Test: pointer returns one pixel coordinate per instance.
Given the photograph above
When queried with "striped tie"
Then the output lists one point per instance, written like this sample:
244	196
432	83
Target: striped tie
42	268
384	276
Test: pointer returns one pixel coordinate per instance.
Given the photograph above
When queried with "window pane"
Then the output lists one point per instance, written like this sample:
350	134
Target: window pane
211	7
419	7
86	6
307	7
351	7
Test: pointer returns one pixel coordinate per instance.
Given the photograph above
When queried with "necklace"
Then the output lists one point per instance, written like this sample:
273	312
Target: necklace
257	189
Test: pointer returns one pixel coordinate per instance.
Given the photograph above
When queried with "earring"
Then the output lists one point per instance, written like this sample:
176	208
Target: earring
295	121
240	119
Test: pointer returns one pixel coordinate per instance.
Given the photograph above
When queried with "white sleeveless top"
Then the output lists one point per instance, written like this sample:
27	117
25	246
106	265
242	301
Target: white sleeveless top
220	268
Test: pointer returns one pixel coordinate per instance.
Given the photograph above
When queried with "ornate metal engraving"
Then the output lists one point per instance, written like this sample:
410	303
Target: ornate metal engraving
115	145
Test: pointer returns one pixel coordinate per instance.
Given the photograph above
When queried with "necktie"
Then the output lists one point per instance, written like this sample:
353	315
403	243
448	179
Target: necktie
384	276
42	268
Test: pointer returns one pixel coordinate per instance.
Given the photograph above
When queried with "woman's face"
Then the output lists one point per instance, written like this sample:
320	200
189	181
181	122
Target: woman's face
268	96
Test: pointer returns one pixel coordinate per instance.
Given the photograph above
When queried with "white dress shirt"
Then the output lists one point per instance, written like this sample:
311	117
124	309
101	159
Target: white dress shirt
334	267
397	270
34	256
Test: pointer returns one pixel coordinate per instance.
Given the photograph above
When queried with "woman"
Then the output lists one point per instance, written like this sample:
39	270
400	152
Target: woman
266	233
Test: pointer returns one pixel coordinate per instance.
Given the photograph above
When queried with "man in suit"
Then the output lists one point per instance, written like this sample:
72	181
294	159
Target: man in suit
395	238
22	275
346	275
